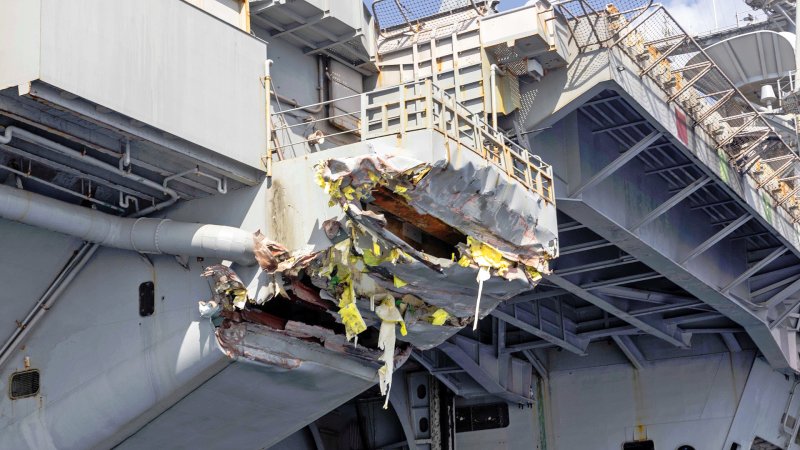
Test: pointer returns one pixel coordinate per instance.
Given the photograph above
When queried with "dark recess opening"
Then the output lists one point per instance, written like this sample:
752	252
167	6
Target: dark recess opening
147	299
481	417
421	231
23	384
639	445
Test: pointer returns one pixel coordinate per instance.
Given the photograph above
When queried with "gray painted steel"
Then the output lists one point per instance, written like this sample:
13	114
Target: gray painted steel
163	63
145	235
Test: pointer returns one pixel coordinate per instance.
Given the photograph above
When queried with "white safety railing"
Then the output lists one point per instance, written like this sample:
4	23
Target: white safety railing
421	105
663	52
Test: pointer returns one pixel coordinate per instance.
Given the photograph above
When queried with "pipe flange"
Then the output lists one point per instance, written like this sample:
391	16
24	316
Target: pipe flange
133	232
155	237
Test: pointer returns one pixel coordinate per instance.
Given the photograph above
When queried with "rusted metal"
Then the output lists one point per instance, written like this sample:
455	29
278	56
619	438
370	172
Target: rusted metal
427	223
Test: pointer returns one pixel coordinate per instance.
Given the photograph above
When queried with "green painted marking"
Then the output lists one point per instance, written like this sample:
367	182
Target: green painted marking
724	167
767	208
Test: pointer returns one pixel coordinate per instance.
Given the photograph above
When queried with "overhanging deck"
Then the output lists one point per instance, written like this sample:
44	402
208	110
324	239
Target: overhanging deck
681	203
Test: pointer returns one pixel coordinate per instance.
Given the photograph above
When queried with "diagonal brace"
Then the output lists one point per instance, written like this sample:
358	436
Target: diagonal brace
754	268
479	374
631	351
718	236
671	334
782	295
617	163
577	348
671	202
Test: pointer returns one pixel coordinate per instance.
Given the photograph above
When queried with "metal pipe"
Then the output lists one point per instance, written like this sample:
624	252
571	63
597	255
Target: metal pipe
320	87
25	135
133	233
268	107
70	170
493	86
783	13
74	266
6	137
222	183
145	235
796	41
81	196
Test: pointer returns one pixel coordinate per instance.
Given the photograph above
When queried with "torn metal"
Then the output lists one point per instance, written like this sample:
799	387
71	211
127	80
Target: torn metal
421	249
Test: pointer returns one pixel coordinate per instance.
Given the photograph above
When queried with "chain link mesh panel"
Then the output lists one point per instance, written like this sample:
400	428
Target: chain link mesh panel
672	60
408	15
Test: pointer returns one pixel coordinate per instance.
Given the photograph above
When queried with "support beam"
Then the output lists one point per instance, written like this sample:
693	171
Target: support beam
529	346
571	226
477	373
500	345
658	309
578	347
718	236
754	269
782	295
731	342
697	283
443	377
310	21
668	308
596	266
714	330
538	366
626	330
771	287
786	312
533	296
635	278
619	127
656	328
631	351
671	202
642	295
583	246
617	163
689	318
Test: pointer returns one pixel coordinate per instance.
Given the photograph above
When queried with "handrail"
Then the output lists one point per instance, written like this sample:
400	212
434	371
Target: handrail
661	49
422	104
408	16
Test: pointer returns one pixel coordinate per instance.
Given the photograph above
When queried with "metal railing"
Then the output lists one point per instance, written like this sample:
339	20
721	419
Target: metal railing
663	52
407	16
422	105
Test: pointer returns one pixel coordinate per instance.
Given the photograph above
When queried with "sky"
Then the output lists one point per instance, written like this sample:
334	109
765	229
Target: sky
696	16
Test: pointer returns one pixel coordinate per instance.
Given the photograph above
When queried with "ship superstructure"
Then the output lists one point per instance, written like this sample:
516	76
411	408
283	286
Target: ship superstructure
407	224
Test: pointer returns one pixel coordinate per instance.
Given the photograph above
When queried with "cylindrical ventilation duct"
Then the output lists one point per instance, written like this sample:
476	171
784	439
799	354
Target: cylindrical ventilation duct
146	235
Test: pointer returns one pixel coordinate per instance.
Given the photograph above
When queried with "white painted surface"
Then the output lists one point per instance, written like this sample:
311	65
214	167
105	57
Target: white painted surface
96	353
761	408
19	41
20	289
509	26
230	11
522	432
164	63
683	401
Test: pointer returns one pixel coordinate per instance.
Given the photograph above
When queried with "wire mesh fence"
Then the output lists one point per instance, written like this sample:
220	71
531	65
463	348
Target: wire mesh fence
594	23
669	57
394	16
